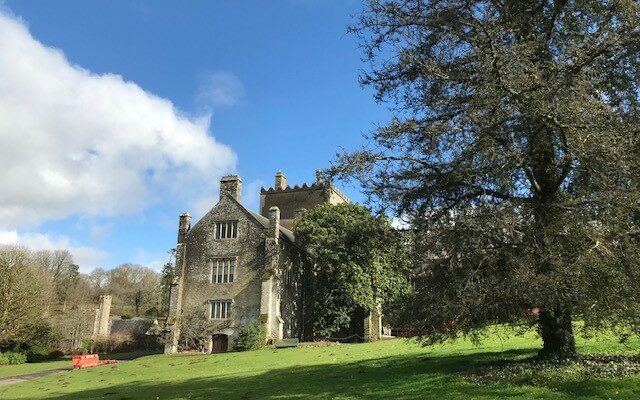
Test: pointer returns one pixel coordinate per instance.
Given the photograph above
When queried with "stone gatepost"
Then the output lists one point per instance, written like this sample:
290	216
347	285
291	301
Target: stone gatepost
177	287
101	322
373	325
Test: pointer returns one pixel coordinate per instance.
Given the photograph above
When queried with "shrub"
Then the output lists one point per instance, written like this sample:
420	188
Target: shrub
15	358
250	337
120	342
36	353
55	354
100	345
3	359
78	352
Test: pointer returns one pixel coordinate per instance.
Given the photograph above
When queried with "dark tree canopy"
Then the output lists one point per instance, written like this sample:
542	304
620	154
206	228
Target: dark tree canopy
514	153
356	262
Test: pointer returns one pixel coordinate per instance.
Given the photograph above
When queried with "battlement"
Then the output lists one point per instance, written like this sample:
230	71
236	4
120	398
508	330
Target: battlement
294	200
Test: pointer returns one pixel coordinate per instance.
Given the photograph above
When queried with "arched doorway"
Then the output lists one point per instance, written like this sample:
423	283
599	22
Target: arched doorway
220	343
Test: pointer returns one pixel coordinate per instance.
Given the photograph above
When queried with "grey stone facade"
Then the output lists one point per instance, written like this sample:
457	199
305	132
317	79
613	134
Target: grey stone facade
266	285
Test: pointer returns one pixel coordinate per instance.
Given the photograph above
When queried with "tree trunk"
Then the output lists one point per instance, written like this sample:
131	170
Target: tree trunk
557	334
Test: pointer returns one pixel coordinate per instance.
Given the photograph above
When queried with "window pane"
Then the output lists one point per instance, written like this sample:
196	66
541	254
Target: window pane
225	272
232	267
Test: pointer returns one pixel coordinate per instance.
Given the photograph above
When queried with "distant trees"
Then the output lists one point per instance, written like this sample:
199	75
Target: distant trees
166	279
135	289
45	299
514	153
24	296
357	262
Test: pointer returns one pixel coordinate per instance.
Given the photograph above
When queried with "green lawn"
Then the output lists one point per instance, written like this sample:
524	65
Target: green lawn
23	369
394	369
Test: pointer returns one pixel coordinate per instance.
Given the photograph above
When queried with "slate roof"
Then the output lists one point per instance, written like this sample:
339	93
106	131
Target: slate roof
134	326
264	221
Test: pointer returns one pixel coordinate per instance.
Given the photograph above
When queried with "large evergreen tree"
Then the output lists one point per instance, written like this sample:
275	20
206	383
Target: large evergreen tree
514	153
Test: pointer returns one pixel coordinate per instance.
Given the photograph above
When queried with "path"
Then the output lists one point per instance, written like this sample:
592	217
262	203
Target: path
27	377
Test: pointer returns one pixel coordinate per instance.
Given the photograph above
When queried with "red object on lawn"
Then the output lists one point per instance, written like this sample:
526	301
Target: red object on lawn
89	360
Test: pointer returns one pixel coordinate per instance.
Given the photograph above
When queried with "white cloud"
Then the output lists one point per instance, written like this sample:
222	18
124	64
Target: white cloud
86	257
8	237
74	142
220	88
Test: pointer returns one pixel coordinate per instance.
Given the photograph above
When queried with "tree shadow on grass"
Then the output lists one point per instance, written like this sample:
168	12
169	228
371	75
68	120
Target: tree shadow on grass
401	378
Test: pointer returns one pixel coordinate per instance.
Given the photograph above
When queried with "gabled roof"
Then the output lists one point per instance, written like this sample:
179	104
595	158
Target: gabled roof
264	221
261	220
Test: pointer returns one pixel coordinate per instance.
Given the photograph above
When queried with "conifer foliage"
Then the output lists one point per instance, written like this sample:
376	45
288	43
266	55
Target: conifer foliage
514	152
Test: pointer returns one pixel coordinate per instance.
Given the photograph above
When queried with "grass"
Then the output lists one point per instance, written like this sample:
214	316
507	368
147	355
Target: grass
29	368
394	369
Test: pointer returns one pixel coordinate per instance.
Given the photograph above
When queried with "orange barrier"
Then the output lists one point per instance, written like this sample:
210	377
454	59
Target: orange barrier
89	360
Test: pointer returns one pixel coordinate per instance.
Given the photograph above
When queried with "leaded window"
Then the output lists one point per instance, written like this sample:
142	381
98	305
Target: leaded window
223	270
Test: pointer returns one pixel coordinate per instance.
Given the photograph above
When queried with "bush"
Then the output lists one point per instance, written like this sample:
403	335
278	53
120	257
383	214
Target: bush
113	343
250	338
13	358
55	355
3	359
78	352
36	353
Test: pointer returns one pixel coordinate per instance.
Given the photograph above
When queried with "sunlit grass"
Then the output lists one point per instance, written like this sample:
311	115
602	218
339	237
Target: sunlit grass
393	369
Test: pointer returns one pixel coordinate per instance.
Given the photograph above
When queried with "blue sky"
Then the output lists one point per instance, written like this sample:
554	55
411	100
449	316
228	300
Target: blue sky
208	88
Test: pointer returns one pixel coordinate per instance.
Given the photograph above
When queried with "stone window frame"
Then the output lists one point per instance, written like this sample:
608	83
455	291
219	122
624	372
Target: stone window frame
213	260
218	229
228	308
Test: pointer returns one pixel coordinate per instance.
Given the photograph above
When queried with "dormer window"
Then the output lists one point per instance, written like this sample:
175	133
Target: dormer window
226	230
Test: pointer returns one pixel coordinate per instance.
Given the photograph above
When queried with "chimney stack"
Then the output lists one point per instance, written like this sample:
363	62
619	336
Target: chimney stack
274	222
231	185
281	181
184	225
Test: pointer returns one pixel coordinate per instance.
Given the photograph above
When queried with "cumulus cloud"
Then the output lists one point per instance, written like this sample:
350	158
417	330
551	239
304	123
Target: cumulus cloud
220	88
78	143
86	257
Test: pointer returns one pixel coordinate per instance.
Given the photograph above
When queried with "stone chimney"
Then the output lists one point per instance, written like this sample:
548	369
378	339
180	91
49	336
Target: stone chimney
184	225
274	222
281	181
231	185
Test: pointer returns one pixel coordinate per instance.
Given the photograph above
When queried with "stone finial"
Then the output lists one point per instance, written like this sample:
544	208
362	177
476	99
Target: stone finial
274	222
281	181
319	177
231	185
185	223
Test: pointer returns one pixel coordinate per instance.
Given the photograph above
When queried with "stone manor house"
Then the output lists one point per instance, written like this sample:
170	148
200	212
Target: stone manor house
236	267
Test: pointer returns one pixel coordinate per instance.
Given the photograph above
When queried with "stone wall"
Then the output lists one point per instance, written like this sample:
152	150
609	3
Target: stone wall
248	251
292	200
